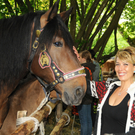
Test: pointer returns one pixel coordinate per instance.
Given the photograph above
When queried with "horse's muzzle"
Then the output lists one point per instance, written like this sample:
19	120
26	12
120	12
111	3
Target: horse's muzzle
74	99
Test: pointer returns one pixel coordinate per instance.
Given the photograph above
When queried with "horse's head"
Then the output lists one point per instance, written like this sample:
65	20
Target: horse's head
55	61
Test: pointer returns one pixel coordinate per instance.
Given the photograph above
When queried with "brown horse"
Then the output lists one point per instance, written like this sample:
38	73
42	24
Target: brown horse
39	43
27	96
108	69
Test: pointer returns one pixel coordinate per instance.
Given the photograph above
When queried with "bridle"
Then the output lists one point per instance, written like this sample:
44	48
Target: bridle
45	61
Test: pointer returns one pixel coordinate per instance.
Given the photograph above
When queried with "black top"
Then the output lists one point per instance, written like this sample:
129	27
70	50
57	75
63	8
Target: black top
87	98
114	117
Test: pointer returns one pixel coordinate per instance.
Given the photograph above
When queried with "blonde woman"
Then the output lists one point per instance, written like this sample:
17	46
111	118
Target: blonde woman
116	110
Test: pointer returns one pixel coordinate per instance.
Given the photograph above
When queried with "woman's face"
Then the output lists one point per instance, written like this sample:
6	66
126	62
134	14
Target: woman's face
124	70
82	60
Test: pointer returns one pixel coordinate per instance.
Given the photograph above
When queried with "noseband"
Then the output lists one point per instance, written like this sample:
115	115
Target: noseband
45	61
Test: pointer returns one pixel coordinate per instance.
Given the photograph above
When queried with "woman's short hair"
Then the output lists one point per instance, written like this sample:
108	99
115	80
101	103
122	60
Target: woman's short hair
86	54
127	54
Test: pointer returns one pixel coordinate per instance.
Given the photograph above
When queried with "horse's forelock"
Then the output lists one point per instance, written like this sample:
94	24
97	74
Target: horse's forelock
56	27
65	33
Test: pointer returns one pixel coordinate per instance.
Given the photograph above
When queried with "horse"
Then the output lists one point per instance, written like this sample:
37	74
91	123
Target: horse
39	43
108	69
27	96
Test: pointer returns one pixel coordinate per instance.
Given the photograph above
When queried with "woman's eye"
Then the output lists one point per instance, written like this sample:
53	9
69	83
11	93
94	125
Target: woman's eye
125	64
116	64
58	44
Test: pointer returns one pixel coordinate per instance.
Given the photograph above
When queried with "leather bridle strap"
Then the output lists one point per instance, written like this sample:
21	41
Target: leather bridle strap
34	48
62	79
74	74
50	99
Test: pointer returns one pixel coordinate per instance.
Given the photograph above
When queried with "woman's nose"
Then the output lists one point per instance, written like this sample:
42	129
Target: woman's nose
121	67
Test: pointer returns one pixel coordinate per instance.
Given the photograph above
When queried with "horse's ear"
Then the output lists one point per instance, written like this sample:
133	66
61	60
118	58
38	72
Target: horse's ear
52	12
64	15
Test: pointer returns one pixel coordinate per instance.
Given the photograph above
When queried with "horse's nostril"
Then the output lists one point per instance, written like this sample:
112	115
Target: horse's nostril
78	92
75	98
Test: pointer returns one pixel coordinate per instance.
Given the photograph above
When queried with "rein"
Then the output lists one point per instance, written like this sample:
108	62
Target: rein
45	61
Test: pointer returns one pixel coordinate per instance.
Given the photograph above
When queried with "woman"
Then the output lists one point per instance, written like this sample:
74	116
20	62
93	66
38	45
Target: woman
84	109
116	109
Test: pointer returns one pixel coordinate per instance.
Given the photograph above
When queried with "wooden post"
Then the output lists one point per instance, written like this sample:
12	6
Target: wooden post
59	110
58	128
27	127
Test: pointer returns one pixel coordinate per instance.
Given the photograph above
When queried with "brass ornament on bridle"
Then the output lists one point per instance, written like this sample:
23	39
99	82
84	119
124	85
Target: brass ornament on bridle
44	60
38	32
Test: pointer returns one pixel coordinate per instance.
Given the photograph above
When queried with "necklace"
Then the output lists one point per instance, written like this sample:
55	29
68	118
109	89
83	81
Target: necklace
120	92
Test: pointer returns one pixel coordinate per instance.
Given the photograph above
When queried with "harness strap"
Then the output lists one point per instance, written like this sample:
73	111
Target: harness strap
34	47
56	99
52	100
74	74
61	79
48	87
33	51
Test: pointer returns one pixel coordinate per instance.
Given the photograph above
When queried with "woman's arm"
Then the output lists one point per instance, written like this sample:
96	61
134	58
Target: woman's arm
96	89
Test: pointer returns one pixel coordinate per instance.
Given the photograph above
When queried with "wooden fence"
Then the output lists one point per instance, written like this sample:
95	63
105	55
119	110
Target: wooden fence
27	127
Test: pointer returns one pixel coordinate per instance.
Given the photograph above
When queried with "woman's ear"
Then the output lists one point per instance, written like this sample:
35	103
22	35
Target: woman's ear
133	68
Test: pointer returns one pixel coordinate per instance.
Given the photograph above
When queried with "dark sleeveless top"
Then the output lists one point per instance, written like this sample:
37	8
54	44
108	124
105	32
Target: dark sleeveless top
114	117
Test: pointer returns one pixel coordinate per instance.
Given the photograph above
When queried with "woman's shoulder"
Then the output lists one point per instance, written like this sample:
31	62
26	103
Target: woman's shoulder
131	89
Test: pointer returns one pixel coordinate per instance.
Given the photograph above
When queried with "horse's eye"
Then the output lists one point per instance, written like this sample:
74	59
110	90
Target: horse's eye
58	44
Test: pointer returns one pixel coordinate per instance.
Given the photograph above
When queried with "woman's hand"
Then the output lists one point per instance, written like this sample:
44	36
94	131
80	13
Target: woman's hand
76	52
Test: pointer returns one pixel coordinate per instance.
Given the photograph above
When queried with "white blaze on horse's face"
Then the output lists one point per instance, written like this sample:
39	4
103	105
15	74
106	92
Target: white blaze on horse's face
57	63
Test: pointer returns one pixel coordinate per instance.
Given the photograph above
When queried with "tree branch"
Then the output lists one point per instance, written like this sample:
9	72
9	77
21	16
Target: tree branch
113	24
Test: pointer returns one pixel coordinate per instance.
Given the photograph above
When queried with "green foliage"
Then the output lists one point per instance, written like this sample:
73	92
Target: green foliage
110	47
3	10
41	5
80	43
37	5
128	23
128	27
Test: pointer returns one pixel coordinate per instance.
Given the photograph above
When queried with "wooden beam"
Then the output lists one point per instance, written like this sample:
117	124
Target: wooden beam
59	126
27	127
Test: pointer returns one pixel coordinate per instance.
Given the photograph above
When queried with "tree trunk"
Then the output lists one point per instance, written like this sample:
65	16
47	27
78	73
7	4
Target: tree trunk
113	24
87	19
51	3
73	20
